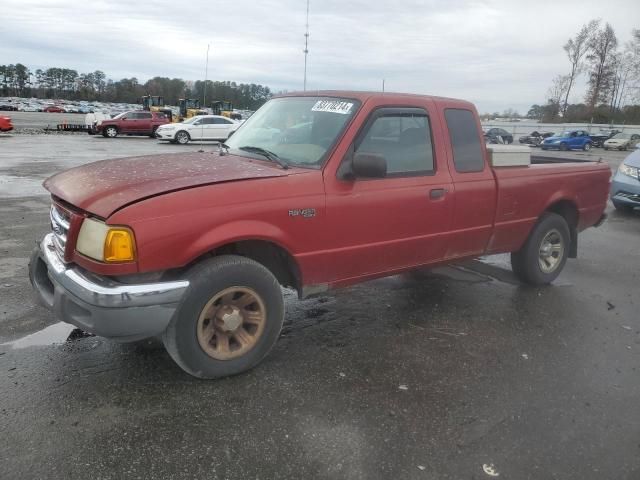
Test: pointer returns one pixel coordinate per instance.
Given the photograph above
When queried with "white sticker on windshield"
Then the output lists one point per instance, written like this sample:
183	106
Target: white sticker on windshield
333	106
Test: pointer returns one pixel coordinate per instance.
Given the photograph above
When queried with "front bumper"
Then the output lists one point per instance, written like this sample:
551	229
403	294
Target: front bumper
625	190
168	135
99	305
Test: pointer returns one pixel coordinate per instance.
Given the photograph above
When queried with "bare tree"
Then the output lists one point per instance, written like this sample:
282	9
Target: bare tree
576	48
555	94
601	57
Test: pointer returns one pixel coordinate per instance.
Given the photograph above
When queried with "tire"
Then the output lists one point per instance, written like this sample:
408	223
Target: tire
586	147
191	331
564	147
551	230
606	148
110	132
622	207
182	137
153	132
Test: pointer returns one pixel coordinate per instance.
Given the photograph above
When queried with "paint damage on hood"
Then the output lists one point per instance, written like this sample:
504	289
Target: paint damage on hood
103	187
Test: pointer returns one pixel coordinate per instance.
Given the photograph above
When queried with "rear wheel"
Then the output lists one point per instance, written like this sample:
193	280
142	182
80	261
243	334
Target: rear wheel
111	132
153	132
229	320
586	147
564	147
182	137
545	252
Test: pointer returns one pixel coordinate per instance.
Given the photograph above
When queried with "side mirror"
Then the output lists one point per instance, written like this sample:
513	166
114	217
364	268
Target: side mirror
369	165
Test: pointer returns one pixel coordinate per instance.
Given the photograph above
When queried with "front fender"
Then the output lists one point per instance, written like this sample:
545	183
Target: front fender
237	231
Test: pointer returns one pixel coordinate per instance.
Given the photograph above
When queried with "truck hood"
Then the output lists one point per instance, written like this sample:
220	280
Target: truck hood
103	187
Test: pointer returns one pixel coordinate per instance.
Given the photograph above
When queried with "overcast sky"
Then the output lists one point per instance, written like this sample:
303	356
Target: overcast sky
497	54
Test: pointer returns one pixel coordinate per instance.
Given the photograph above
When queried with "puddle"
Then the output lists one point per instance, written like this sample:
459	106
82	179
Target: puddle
54	334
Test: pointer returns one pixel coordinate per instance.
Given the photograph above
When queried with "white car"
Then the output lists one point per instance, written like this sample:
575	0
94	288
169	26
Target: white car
201	127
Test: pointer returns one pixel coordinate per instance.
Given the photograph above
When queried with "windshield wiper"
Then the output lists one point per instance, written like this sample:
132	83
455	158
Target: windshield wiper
266	153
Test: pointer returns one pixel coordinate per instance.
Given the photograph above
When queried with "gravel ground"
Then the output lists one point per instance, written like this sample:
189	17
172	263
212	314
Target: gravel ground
446	374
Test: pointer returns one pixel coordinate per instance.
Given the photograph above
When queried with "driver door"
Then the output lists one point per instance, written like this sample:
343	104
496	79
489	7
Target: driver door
401	220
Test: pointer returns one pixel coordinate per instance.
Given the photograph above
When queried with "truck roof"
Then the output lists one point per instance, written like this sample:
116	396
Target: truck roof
363	96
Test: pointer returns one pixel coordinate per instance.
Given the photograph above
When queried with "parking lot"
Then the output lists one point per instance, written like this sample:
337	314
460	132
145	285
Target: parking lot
429	375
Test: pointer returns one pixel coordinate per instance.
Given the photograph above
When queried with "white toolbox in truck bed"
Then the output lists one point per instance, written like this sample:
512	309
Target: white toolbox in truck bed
509	155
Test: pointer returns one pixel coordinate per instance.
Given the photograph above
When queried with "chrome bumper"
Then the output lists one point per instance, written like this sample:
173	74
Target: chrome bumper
98	304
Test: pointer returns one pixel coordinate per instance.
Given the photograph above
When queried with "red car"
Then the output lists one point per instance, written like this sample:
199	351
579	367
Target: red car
54	109
132	123
316	190
5	124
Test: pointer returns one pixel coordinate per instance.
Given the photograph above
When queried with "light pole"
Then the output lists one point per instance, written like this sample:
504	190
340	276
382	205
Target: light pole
206	74
306	48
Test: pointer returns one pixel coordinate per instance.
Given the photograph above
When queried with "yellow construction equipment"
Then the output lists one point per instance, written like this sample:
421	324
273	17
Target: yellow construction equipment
221	107
189	107
154	103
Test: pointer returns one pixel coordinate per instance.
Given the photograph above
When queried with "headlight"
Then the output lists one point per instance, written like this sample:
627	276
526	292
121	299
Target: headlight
627	170
106	243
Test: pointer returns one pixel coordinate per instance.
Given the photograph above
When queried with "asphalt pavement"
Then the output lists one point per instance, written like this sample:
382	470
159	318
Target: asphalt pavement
455	373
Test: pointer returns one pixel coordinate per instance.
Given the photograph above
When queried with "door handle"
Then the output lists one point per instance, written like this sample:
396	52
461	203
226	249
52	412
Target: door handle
437	193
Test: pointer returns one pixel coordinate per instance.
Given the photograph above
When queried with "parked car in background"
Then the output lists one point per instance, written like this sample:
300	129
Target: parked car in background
132	123
598	139
622	141
5	107
53	109
5	124
569	140
497	135
201	127
625	186
535	138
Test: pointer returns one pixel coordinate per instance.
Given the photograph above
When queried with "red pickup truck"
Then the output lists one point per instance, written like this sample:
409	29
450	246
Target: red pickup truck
132	123
314	191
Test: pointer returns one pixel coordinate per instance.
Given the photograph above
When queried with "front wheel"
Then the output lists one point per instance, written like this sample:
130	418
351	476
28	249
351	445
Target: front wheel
111	132
564	147
229	320
182	137
545	252
586	147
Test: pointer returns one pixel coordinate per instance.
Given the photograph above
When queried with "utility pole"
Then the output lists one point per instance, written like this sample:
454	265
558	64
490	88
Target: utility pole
306	48
383	85
206	74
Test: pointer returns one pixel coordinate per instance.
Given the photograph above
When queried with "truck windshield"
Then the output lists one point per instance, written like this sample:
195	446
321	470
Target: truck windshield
299	130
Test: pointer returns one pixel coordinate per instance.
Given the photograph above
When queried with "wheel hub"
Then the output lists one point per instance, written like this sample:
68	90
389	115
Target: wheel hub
230	318
551	251
231	323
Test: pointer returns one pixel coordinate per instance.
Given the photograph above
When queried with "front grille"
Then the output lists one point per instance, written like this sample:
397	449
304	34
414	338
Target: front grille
630	196
60	223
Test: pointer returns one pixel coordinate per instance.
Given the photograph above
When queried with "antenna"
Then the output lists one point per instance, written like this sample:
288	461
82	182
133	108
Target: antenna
306	48
383	85
206	74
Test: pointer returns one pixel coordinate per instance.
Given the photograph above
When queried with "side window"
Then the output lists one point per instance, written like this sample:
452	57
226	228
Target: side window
219	121
145	115
404	140
465	141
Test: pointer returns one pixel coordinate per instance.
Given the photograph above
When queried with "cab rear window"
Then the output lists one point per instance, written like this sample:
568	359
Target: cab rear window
465	140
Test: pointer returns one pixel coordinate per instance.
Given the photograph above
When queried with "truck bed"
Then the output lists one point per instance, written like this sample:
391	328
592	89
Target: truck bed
524	192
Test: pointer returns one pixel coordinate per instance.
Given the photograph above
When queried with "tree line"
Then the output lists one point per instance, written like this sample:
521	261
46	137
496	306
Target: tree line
64	83
612	73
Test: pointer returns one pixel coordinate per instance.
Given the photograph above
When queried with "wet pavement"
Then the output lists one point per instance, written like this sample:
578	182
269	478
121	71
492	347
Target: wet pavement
447	374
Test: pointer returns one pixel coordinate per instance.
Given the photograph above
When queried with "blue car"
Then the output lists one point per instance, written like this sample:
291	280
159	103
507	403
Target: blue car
569	140
625	186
